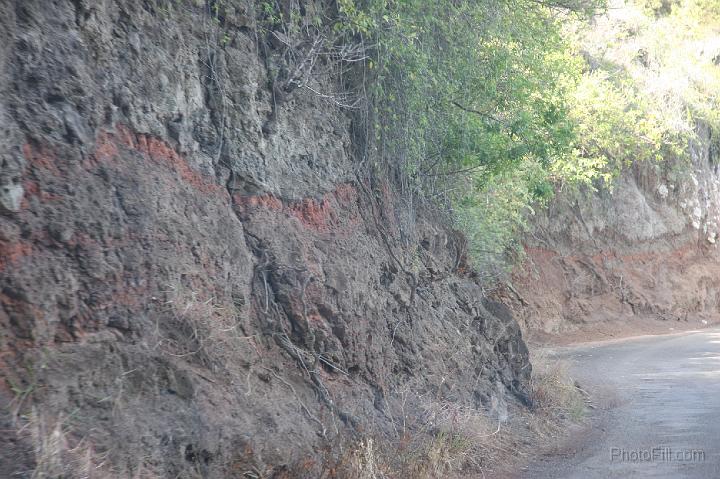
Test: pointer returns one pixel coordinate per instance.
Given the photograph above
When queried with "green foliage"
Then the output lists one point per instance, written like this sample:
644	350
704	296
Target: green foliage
489	106
471	103
476	85
493	104
495	212
654	78
614	127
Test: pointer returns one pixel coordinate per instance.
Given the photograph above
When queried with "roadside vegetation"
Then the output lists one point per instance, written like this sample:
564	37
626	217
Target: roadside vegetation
441	439
493	106
489	107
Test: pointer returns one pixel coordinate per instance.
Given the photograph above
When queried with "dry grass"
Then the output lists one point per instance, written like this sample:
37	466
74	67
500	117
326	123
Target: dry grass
446	440
553	391
56	454
365	461
60	454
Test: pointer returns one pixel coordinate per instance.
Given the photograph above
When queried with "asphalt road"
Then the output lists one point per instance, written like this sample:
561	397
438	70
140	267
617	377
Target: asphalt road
657	410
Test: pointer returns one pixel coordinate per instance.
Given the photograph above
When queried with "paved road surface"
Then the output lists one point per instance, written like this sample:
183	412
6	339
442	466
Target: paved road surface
658	410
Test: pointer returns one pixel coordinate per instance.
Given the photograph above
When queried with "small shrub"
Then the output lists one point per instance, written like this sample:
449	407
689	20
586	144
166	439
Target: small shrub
553	391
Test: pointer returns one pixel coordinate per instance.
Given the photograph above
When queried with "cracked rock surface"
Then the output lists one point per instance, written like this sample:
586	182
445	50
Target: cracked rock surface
184	291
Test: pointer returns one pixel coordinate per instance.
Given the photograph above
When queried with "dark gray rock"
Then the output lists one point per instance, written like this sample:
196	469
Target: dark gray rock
189	294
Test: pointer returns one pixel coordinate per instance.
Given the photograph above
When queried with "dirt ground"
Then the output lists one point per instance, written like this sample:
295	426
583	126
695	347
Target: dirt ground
654	394
545	443
617	329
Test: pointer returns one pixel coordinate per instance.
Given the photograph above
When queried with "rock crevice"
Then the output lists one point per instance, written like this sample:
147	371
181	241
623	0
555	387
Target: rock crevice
182	293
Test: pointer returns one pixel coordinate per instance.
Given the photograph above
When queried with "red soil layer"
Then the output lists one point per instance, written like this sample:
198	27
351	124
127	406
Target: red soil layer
557	293
332	213
321	215
334	210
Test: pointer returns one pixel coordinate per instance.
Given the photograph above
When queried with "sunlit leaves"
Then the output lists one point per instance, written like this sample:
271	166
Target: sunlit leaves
496	102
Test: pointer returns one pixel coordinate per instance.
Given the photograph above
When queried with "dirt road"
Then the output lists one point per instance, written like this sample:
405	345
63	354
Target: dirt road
657	410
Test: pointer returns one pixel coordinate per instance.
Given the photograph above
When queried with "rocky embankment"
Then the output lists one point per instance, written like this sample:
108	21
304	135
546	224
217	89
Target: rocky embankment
645	249
198	280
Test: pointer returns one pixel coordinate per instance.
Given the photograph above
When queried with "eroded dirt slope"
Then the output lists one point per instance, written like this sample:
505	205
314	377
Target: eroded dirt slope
645	249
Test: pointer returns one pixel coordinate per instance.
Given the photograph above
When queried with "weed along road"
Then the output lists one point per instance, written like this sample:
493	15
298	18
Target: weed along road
656	410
